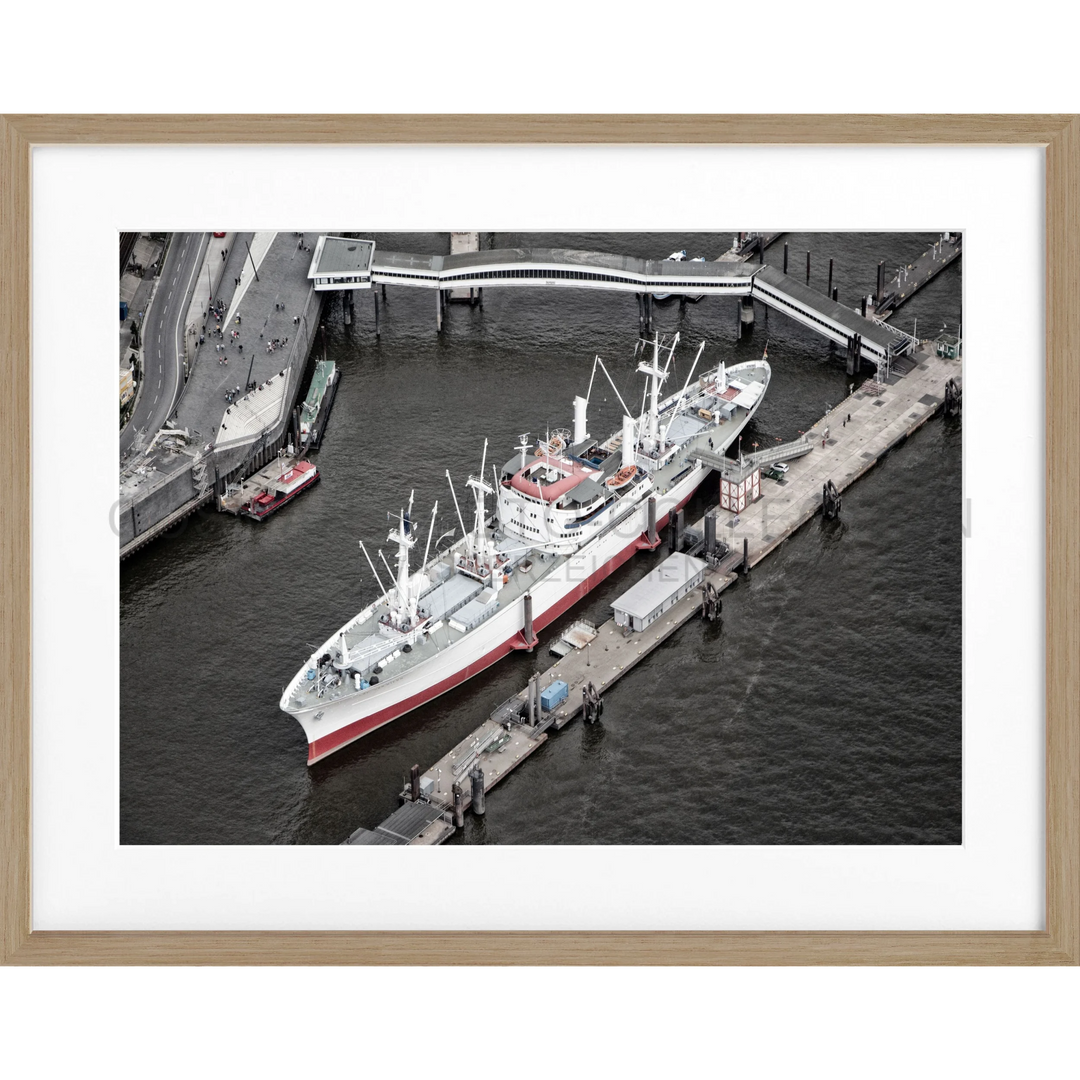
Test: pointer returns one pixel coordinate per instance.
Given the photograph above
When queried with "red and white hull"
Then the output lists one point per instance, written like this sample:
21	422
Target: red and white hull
536	501
571	578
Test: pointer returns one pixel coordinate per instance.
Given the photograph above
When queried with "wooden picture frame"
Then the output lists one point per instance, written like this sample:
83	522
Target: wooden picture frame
1059	943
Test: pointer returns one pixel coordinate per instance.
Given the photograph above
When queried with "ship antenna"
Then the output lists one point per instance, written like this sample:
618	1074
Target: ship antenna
378	581
431	529
626	411
386	564
588	393
671	353
468	541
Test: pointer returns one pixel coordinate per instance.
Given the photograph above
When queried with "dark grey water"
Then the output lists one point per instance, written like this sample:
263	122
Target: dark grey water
826	708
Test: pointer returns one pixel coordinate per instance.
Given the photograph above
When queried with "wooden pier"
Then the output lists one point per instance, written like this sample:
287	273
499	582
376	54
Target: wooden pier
845	444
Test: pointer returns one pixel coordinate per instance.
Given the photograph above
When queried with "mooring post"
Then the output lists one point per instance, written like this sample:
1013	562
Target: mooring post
459	805
438	310
745	555
652	521
414	783
880	282
675	529
477	778
376	295
808	268
530	636
785	256
828	291
835	295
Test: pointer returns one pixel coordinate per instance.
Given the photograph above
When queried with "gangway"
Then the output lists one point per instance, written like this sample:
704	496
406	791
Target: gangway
782	452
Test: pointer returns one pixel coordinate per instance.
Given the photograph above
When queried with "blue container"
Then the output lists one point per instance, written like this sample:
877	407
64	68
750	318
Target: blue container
556	693
123	310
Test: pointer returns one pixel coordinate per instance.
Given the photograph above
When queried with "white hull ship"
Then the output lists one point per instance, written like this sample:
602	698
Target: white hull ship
568	513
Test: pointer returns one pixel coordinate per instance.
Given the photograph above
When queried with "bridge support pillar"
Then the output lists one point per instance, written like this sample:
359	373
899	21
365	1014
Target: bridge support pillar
640	313
648	311
785	256
746	310
854	354
828	291
438	310
376	295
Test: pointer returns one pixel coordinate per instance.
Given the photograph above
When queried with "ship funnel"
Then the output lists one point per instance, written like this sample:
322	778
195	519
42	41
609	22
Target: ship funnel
580	423
721	377
629	457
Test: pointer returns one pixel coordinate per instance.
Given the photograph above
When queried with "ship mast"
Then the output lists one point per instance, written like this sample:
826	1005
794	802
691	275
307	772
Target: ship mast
403	605
480	487
656	377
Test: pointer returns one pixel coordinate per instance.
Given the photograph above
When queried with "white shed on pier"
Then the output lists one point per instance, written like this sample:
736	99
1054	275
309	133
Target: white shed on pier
642	604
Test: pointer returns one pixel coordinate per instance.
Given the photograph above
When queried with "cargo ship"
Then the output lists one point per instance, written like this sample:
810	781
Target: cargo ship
568	511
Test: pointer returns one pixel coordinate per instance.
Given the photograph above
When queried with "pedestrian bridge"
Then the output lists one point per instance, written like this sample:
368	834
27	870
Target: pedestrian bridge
344	263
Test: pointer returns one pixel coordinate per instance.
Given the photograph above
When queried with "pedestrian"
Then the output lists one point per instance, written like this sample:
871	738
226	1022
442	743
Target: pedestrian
223	256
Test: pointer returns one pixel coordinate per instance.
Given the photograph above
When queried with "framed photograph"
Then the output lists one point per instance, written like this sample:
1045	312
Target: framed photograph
557	439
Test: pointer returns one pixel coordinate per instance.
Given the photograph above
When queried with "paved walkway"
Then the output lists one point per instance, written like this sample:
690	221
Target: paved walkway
878	422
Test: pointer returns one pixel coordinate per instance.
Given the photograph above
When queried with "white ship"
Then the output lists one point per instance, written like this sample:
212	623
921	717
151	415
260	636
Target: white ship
568	512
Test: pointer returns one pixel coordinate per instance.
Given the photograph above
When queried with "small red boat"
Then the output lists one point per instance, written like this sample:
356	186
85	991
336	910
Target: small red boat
281	489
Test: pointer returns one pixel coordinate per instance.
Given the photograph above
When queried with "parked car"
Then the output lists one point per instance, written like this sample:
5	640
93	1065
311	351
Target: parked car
779	466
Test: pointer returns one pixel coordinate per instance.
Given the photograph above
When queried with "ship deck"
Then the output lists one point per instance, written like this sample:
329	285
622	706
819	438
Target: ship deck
368	647
324	369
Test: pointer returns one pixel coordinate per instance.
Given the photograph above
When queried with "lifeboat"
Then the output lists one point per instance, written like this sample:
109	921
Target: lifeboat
554	446
622	477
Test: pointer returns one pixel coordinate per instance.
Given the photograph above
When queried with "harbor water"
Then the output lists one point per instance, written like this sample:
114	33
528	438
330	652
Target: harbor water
824	708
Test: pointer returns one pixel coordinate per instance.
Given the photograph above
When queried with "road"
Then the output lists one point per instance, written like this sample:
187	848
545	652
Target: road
163	340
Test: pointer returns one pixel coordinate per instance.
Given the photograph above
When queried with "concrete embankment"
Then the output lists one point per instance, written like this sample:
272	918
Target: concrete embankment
274	302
